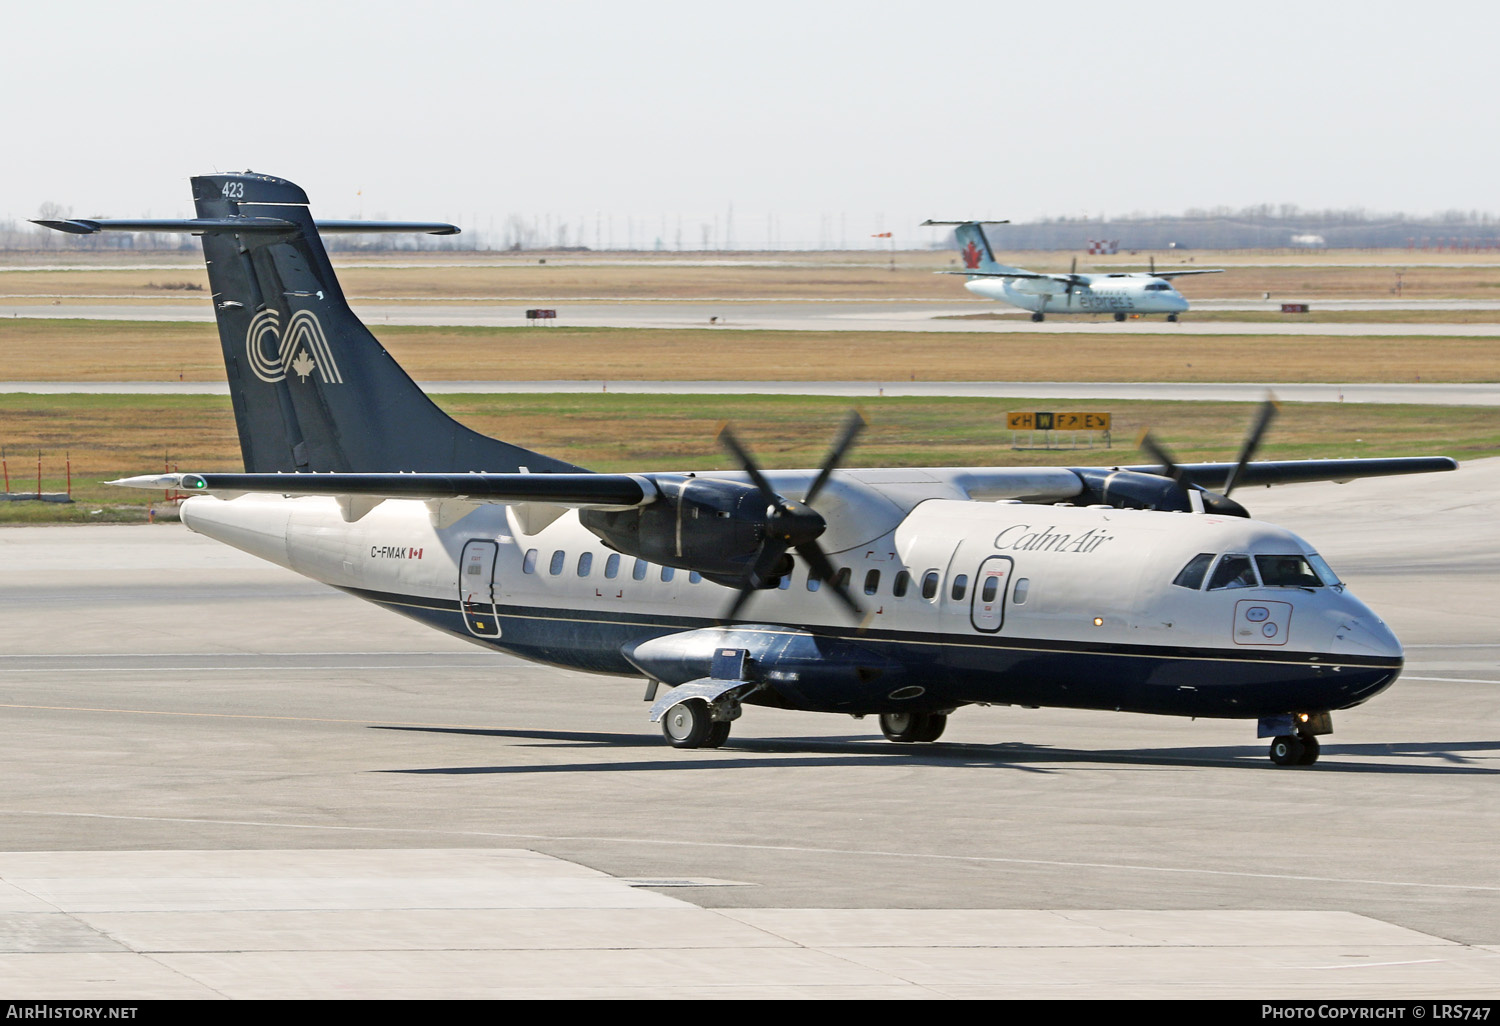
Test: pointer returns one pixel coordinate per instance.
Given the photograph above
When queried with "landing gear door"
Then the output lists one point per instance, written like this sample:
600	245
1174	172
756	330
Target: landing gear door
987	608
476	588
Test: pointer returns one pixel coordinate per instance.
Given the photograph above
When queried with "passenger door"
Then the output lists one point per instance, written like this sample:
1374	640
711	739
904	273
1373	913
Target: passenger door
991	584
476	588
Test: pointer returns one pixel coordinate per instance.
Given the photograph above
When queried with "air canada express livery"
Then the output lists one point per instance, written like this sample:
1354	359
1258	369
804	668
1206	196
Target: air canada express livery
1121	293
904	594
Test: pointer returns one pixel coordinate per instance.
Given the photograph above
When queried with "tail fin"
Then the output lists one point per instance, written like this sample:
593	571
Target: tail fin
312	388
974	247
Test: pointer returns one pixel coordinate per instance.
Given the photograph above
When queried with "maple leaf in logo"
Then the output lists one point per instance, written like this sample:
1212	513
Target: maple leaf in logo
970	253
303	364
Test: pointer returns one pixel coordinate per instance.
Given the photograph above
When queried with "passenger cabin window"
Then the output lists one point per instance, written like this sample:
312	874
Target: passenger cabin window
872	582
1019	589
667	573
1287	572
843	578
1191	576
694	577
930	584
960	586
813	584
990	589
1232	572
900	584
528	563
612	566
638	572
585	564
558	559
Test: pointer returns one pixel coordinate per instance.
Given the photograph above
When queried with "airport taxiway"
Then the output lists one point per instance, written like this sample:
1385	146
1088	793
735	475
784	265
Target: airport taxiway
223	780
785	315
1427	394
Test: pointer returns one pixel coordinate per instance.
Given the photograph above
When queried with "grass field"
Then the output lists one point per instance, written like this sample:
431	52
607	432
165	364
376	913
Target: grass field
83	350
114	436
543	277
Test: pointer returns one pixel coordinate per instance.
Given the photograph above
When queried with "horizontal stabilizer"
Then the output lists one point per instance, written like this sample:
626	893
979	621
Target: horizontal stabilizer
242	225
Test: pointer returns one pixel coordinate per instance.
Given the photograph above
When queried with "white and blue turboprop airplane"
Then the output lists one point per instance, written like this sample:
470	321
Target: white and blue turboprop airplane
1121	293
1143	589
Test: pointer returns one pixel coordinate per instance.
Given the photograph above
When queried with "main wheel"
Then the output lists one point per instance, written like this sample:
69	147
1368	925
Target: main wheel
1038	317
936	724
1287	750
717	735
1119	317
1172	318
1310	748
909	727
688	724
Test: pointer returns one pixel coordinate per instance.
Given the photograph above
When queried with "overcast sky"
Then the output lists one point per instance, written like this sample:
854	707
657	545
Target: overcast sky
810	120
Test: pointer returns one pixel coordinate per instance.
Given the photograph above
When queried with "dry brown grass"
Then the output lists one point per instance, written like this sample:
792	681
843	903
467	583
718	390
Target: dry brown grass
865	276
45	350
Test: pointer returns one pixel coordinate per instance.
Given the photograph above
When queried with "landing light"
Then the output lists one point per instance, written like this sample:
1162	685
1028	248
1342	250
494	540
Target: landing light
1098	621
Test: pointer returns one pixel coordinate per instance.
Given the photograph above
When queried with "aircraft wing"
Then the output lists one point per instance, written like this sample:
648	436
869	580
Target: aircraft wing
600	491
1179	274
1274	472
627	491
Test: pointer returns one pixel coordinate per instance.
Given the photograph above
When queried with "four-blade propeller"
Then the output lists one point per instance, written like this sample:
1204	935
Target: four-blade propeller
1214	502
792	525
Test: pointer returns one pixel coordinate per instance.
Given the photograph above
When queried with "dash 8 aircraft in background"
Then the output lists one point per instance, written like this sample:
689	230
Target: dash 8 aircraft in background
1122	293
904	594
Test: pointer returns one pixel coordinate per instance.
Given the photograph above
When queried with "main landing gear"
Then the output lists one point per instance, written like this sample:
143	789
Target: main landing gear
1039	317
691	724
1172	318
1119	317
908	727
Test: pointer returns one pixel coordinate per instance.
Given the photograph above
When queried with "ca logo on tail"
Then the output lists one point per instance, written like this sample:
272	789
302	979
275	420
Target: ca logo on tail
299	351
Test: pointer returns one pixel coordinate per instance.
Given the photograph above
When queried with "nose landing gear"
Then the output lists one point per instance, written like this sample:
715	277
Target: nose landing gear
1294	750
1295	743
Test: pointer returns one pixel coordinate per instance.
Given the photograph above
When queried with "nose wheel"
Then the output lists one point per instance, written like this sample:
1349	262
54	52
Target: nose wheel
1294	750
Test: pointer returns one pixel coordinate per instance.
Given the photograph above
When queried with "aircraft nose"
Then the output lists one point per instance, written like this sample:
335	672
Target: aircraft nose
1364	634
1178	302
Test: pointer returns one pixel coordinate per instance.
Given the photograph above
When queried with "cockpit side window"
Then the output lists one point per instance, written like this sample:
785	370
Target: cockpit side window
1191	576
1287	572
1232	572
1323	570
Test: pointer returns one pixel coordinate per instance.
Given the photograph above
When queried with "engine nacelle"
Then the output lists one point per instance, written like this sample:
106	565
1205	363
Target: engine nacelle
712	526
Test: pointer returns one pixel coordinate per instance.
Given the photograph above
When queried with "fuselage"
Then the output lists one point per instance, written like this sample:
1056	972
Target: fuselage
968	602
1094	293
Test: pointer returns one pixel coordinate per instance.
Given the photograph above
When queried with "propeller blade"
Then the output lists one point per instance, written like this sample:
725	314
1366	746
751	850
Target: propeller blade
728	441
1268	410
741	597
853	425
1158	452
822	568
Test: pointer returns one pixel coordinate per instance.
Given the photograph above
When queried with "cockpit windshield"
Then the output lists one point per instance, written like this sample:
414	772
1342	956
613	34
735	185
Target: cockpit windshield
1158	286
1287	572
1232	572
1323	570
1239	571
